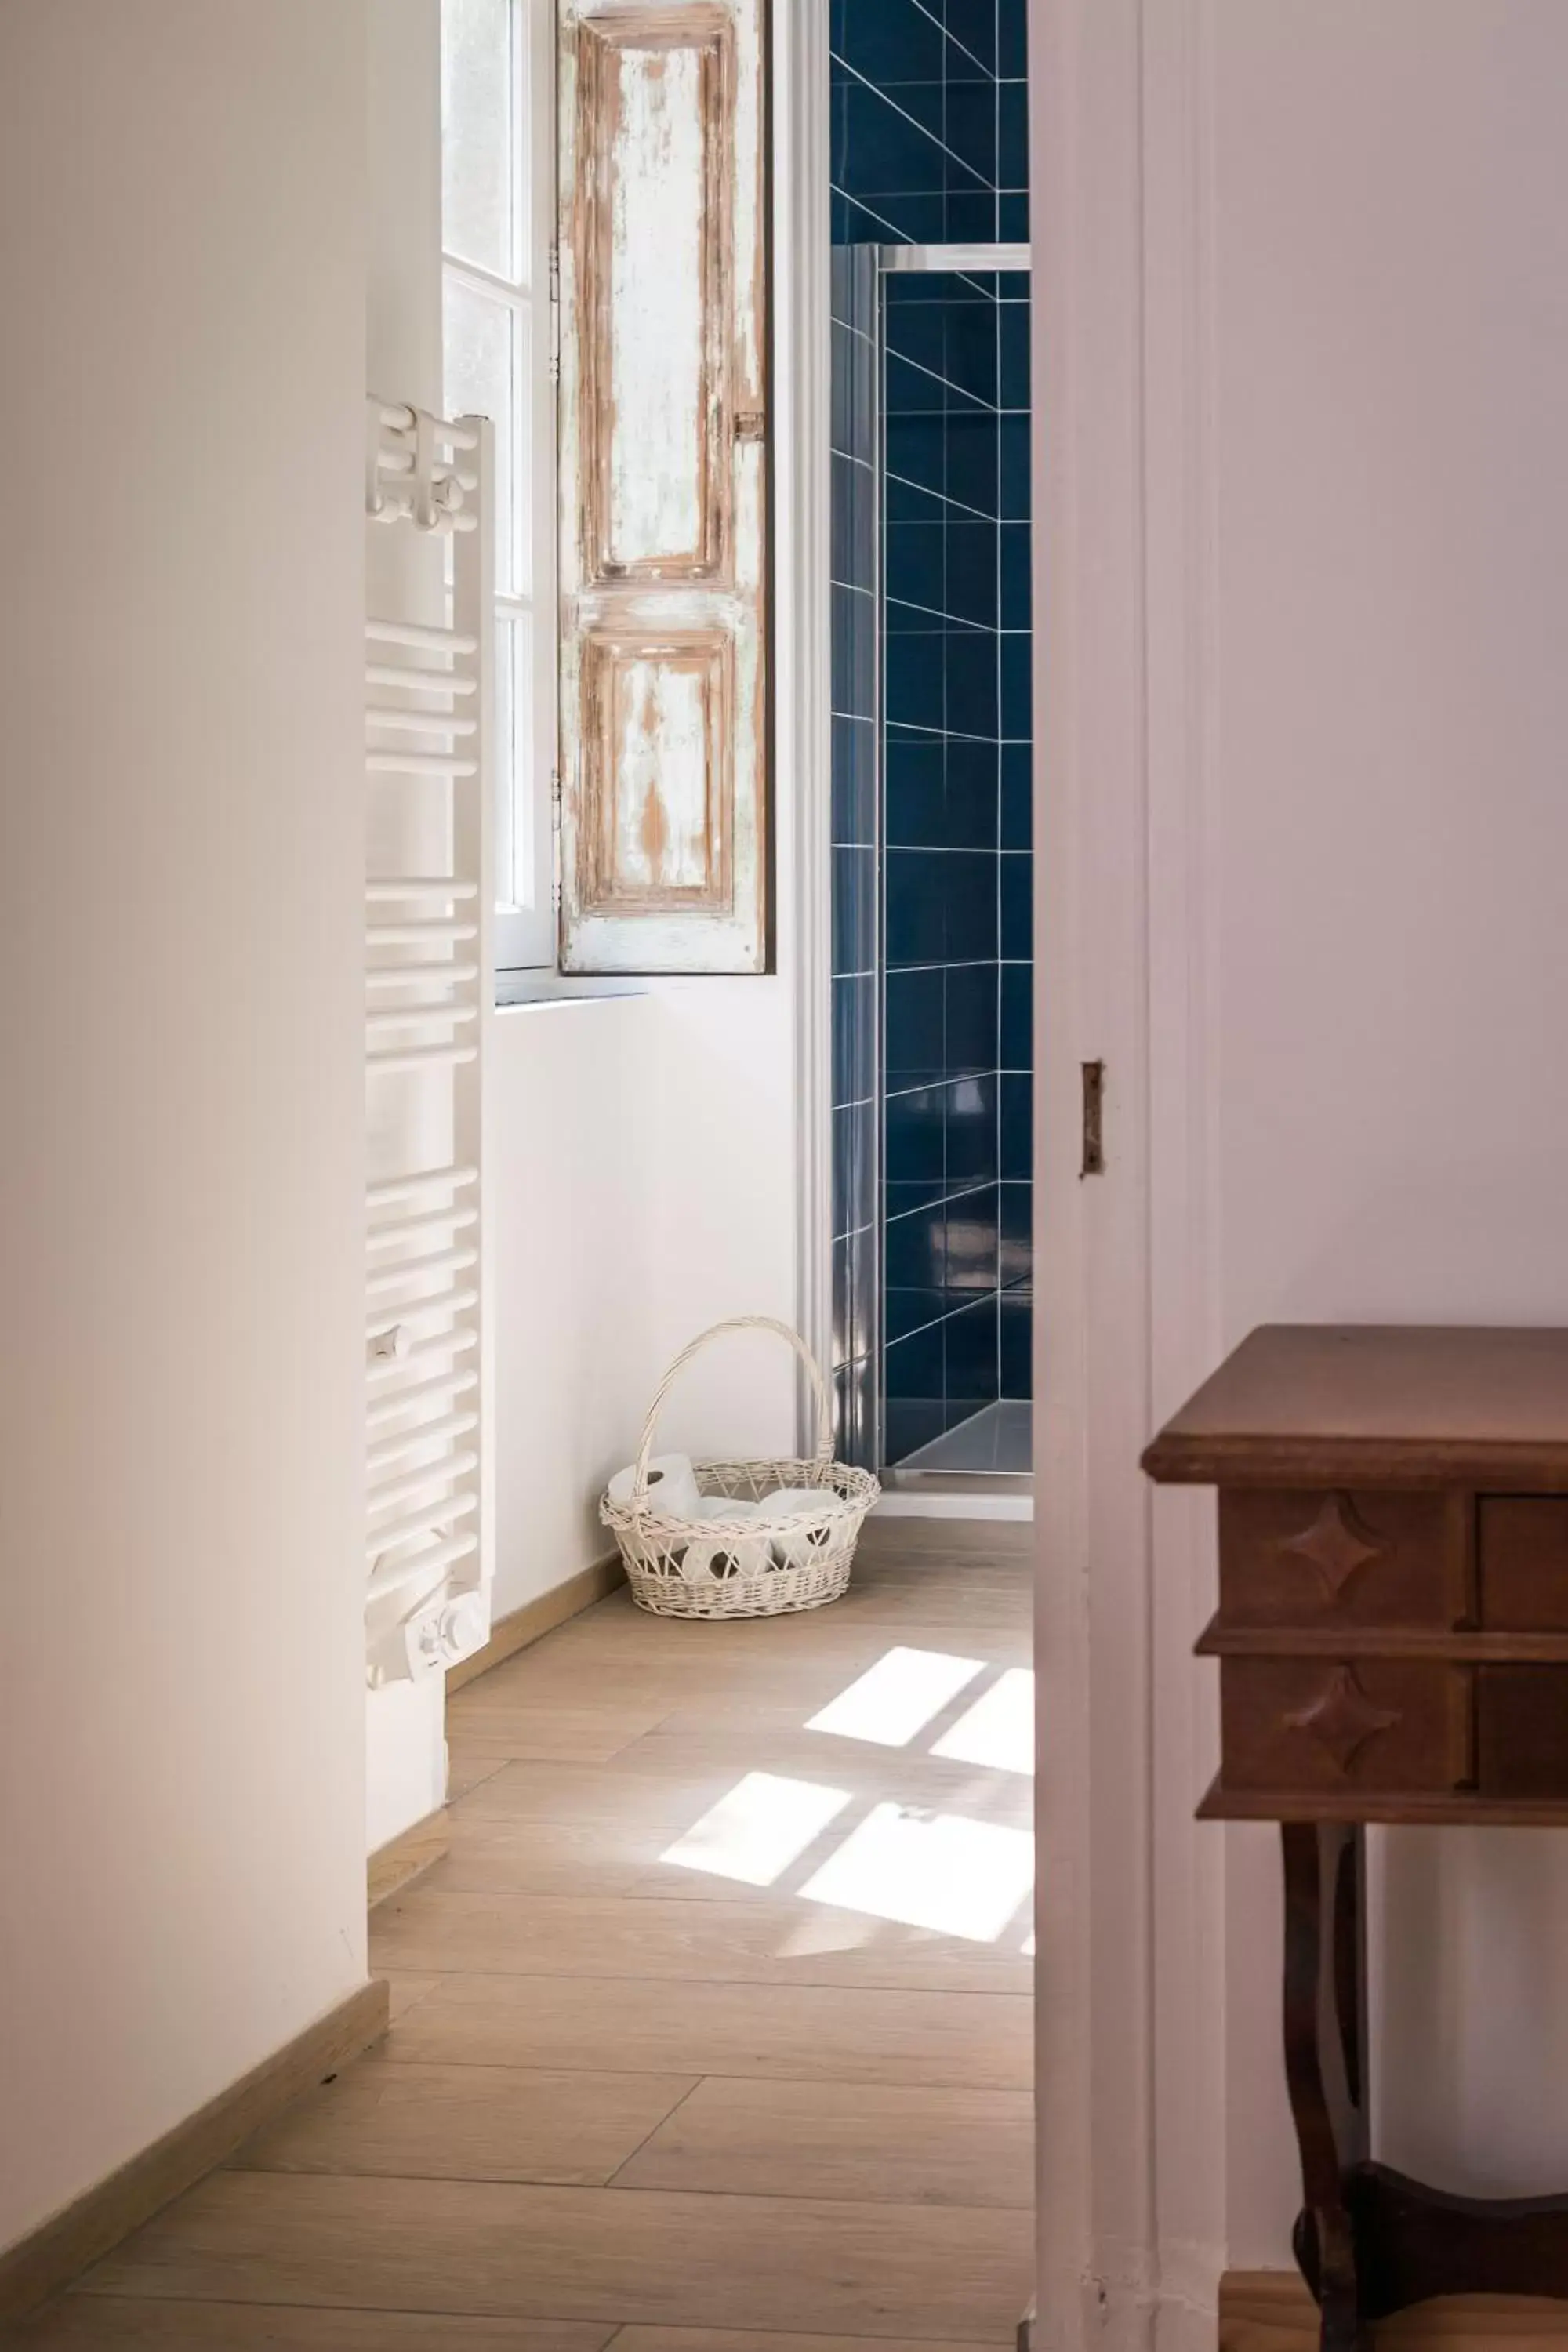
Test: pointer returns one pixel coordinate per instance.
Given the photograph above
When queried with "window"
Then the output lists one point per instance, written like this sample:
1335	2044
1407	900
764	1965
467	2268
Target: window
497	206
664	590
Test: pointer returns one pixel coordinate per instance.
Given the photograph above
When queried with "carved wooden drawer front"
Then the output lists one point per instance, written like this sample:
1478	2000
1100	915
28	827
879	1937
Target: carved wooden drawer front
1387	1727
1392	1649
1523	1732
1304	1557
1524	1563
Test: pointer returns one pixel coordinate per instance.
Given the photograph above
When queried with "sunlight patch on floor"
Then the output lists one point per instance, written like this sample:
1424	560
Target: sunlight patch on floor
905	1864
895	1699
999	1728
958	1877
753	1834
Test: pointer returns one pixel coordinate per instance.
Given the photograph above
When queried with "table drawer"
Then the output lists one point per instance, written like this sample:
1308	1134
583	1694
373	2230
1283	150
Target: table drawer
1386	1726
1291	1557
1522	1732
1524	1563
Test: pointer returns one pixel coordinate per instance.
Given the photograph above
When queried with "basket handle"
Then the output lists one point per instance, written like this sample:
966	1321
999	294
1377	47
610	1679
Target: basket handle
640	1496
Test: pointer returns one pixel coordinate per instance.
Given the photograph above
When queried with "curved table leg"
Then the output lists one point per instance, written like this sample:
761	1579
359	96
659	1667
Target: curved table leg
1325	2061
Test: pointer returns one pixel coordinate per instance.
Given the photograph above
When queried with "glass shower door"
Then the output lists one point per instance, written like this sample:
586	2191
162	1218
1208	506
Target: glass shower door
933	1060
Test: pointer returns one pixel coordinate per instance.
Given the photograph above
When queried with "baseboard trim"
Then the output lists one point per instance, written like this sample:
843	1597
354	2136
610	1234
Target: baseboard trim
1271	2311
401	1859
530	1623
61	2248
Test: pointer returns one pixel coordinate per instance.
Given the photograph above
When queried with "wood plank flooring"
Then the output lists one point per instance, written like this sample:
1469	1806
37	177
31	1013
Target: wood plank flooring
711	2032
1270	2311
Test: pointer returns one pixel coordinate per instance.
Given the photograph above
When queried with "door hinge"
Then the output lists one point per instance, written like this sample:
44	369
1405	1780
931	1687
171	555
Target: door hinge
1093	1119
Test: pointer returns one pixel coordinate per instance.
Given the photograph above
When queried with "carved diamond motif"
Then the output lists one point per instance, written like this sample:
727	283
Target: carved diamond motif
1336	1544
1342	1719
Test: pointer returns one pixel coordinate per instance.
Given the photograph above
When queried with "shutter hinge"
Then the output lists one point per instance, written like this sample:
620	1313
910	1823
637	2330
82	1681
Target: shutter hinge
555	839
555	313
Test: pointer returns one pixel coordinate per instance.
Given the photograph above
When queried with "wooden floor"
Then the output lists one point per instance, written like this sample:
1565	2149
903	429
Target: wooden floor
1270	2311
711	2033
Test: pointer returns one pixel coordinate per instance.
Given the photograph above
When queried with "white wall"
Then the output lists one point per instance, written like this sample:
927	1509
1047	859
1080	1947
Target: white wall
406	1760
645	1147
182	275
1389	837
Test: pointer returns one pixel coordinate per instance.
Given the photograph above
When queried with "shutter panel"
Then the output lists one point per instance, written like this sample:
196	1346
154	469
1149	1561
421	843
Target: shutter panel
664	834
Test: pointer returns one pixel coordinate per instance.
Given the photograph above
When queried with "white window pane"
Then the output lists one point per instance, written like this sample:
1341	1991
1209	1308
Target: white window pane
483	375
479	166
522	837
526	881
514	521
526	134
506	766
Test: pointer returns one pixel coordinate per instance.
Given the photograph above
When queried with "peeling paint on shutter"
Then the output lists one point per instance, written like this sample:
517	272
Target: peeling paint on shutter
664	834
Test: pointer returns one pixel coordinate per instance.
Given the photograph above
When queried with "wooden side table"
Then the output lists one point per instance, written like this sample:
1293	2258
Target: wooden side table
1393	1639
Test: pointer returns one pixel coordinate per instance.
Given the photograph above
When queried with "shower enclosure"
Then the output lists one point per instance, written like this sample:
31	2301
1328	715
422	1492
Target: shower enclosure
932	857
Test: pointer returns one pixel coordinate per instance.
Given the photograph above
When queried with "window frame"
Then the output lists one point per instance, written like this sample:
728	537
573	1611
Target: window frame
526	919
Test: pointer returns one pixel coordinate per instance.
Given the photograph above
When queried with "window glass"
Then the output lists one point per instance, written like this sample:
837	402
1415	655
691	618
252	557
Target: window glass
479	179
508	775
496	62
482	379
517	880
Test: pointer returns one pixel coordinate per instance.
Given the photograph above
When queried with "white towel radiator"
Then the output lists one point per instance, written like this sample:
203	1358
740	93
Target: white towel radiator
430	996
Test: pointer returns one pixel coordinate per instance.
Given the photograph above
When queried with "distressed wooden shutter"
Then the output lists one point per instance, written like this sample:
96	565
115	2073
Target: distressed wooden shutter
664	834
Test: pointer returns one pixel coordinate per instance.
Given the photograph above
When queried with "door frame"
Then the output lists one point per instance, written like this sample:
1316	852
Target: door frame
1132	2025
802	669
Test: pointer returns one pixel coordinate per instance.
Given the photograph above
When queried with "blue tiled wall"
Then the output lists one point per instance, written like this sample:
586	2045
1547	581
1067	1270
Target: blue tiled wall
957	1053
929	146
929	122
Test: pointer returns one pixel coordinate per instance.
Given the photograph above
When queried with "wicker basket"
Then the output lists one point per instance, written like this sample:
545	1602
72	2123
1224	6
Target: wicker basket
752	1566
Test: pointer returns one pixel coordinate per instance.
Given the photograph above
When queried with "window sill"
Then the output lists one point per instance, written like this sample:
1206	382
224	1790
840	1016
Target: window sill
545	992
